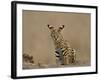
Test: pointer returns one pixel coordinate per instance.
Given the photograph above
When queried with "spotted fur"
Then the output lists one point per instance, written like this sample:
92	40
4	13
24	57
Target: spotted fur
64	52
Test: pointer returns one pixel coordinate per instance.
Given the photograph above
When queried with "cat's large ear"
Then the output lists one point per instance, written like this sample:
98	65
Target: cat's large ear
50	27
61	27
